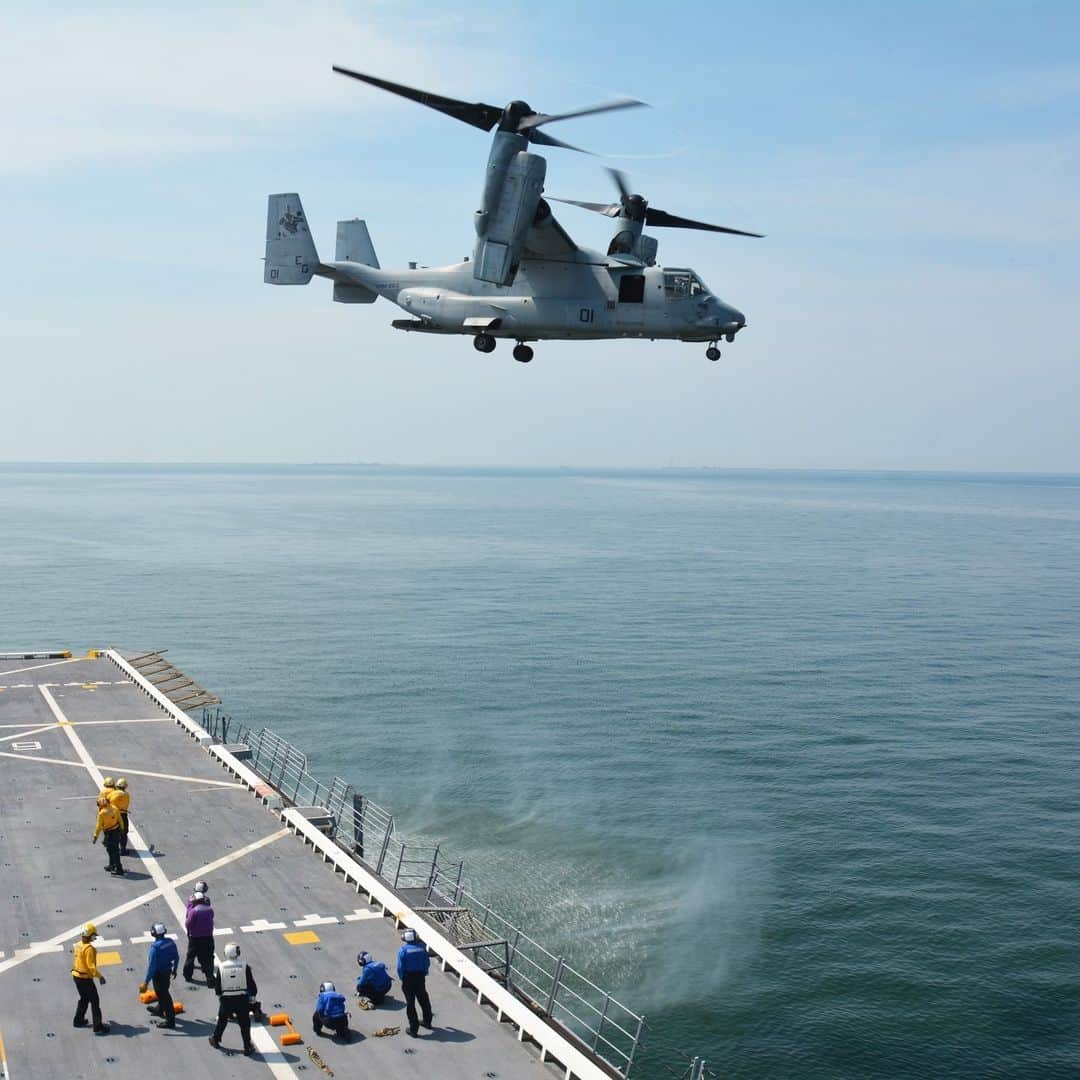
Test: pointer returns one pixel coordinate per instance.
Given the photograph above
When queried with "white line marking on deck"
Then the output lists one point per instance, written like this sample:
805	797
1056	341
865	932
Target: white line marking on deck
125	770
361	913
38	667
108	943
139	720
224	931
145	939
22	747
5	1070
32	731
316	920
129	905
266	1046
261	924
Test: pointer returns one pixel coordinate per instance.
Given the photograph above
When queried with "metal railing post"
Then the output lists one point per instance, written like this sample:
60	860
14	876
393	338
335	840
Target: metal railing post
554	986
400	860
434	864
600	1026
634	1045
457	888
385	845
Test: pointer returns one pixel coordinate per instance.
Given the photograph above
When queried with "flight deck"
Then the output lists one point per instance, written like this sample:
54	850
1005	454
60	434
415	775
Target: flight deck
299	906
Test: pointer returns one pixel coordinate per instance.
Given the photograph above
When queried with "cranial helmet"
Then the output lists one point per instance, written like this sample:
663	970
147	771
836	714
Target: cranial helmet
232	951
122	784
158	929
109	782
201	886
327	988
409	936
89	931
364	958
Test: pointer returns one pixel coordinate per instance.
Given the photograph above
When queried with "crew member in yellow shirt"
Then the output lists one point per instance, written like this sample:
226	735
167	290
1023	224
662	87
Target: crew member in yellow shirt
111	824
120	797
84	971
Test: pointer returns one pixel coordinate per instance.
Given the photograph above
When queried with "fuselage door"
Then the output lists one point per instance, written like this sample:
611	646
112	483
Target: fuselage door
630	310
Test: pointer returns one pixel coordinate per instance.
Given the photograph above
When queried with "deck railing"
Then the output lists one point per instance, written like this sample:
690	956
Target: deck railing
546	982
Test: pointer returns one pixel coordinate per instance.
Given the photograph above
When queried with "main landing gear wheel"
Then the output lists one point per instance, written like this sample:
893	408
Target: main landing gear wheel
522	353
712	353
484	343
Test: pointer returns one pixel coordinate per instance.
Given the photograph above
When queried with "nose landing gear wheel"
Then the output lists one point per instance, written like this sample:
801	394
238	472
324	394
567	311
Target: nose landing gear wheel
712	353
522	353
484	343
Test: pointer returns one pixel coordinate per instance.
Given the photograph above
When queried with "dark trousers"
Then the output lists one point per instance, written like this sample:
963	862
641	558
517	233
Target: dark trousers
234	1007
414	987
88	999
114	838
200	950
338	1024
124	828
161	981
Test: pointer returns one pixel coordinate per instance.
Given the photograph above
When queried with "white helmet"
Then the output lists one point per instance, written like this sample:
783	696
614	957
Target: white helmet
201	886
158	929
409	936
232	951
327	988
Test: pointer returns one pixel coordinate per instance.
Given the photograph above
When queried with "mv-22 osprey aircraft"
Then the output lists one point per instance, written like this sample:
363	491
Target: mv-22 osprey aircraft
528	280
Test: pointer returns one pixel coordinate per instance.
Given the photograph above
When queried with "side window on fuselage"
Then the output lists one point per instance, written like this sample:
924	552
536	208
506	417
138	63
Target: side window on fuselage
632	289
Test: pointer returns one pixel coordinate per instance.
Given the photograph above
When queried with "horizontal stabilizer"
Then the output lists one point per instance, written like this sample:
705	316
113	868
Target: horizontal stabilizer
290	251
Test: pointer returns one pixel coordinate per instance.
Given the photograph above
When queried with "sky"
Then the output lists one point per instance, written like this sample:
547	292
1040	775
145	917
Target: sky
914	167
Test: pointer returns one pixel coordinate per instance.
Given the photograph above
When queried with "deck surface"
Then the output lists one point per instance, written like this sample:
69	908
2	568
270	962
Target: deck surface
62	722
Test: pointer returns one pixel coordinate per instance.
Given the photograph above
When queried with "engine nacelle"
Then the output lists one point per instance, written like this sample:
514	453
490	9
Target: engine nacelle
498	251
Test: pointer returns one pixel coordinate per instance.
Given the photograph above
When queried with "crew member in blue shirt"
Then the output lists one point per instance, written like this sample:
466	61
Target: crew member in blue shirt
160	971
374	981
412	968
330	1011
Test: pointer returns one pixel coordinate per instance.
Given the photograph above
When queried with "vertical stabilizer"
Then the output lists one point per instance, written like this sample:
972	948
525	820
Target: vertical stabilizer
354	243
290	252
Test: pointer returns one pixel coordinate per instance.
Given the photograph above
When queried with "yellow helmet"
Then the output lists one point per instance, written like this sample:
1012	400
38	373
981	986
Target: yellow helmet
109	782
89	931
122	784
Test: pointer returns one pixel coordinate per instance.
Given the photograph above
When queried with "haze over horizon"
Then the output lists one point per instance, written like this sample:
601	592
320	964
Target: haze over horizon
911	307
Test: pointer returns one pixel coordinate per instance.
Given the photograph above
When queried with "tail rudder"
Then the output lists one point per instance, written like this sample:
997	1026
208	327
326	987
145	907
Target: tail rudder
291	258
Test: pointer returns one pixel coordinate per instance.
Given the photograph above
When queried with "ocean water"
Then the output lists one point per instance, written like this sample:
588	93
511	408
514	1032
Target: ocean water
788	760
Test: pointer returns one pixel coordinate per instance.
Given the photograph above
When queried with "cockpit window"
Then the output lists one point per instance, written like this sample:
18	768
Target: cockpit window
676	286
679	284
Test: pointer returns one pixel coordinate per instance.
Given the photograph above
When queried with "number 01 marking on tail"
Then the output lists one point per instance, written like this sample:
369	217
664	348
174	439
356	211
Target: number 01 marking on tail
585	314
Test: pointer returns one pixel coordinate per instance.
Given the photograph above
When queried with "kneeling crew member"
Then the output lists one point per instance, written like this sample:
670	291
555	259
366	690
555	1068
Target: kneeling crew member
412	968
84	971
199	923
160	971
374	981
330	1011
111	824
233	983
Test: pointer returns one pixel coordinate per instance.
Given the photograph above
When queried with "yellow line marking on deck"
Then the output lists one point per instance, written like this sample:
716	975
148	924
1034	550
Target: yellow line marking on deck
301	937
105	959
123	770
272	1057
3	1059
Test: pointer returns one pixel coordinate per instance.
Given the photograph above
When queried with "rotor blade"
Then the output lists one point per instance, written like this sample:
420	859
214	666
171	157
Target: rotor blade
537	119
608	209
478	114
662	218
545	139
620	182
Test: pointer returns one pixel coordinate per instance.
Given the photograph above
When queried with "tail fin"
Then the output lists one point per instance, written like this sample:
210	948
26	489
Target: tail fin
354	243
291	258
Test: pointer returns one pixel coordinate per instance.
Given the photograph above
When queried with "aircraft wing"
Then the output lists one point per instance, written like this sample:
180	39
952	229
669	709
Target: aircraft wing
547	239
